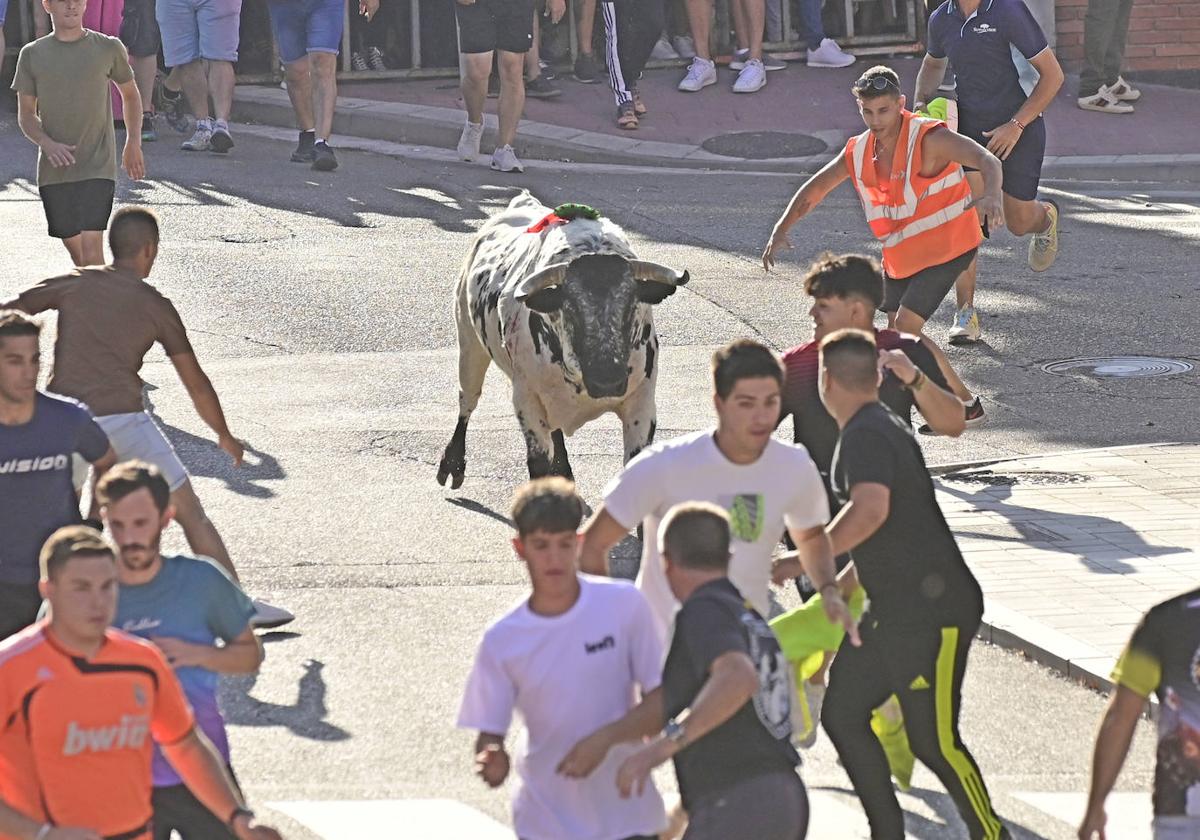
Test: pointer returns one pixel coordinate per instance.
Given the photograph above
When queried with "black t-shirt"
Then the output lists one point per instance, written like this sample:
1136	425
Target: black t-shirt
911	567
757	739
812	425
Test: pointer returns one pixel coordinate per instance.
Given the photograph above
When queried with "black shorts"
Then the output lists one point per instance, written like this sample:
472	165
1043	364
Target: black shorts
923	292
1023	166
139	30
19	605
77	206
487	25
177	809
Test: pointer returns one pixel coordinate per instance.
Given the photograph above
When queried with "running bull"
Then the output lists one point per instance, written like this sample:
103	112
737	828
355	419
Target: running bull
560	303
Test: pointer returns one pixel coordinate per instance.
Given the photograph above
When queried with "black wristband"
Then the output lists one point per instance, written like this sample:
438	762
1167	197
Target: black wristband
240	811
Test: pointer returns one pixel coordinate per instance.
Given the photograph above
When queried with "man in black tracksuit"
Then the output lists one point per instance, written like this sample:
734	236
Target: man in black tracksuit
925	604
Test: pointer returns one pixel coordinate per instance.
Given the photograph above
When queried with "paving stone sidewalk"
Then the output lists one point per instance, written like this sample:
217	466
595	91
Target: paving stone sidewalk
1071	549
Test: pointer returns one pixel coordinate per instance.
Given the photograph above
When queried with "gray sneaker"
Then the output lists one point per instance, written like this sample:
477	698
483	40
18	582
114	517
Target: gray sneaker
504	159
770	62
201	141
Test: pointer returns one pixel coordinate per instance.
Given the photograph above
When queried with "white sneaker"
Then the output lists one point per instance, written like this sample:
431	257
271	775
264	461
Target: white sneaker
1124	91
267	616
468	143
829	54
663	51
504	159
684	46
700	74
753	77
966	326
770	62
1104	102
201	141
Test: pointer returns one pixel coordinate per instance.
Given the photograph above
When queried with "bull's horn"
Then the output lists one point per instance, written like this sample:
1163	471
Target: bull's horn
657	273
551	275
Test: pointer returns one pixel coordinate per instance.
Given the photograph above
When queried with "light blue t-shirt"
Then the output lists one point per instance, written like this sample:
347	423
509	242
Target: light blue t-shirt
193	600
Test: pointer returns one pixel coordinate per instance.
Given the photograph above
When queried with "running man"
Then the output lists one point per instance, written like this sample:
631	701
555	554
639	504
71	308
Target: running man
109	318
39	434
1160	659
64	108
184	605
925	605
764	483
908	173
977	37
97	699
567	658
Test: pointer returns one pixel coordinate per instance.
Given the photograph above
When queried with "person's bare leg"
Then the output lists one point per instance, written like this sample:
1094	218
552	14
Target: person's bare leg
201	534
910	322
195	88
586	25
74	246
740	24
91	244
755	14
533	67
174	80
964	284
700	22
300	91
476	68
324	91
512	95
145	69
220	88
1023	217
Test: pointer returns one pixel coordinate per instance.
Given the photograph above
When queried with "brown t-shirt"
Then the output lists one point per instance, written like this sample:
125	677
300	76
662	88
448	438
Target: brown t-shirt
108	320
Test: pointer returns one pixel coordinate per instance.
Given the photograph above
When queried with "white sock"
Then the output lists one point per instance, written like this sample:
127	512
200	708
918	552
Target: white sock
204	123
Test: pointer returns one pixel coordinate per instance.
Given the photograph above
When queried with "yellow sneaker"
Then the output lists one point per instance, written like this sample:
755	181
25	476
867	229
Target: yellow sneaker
887	723
1043	247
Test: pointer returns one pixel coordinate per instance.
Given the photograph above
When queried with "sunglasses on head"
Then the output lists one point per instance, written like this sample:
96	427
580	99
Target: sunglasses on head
879	83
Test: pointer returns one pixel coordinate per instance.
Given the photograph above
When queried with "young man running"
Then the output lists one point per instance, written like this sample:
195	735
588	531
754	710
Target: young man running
109	318
925	605
978	37
765	484
39	434
908	172
80	706
185	606
64	108
568	659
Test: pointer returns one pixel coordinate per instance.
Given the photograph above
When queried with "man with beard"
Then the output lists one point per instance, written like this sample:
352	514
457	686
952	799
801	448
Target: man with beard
184	605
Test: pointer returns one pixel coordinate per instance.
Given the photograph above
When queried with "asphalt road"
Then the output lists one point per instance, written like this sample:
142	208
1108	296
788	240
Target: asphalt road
320	304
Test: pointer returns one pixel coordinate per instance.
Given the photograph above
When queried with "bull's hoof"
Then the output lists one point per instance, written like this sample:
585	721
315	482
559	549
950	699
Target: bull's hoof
453	468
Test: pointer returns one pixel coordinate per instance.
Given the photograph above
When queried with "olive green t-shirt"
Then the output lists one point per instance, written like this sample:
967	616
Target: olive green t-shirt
71	82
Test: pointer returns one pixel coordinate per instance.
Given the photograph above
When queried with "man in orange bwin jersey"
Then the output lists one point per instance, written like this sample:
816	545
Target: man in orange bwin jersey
81	704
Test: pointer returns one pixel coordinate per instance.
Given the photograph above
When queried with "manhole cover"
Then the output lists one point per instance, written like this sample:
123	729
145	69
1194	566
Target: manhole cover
764	145
1119	367
996	479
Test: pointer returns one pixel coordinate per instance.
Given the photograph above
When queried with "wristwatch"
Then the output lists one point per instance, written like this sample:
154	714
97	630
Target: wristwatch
674	732
240	811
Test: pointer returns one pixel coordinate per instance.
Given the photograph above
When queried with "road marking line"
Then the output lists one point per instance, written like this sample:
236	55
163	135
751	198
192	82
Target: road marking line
416	819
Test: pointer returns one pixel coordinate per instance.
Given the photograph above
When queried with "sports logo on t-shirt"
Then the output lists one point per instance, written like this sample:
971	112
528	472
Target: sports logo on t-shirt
746	513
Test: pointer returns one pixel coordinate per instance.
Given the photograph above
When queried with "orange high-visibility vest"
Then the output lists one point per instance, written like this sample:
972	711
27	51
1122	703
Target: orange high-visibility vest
921	221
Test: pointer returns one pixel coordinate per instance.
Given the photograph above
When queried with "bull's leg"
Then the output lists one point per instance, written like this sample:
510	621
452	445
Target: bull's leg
560	465
638	420
473	361
536	430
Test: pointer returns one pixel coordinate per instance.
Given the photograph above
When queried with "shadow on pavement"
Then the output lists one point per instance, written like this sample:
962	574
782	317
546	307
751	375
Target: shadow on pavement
305	718
941	803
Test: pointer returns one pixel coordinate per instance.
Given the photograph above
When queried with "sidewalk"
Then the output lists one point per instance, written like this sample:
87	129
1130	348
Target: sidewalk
794	124
1072	549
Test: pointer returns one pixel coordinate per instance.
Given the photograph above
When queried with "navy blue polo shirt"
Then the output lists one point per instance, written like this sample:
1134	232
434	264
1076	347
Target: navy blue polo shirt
979	47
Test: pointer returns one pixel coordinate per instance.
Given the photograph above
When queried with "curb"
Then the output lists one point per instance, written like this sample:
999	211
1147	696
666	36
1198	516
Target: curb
435	126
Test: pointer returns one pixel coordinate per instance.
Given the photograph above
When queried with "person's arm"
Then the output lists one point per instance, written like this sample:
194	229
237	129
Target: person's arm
809	195
943	146
1112	745
815	552
939	407
58	154
491	760
861	517
931	74
16	825
600	534
197	763
131	157
241	655
208	404
732	681
642	721
1003	138
99	467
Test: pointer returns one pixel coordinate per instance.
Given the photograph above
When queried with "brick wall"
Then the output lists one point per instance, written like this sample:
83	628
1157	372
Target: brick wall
1164	35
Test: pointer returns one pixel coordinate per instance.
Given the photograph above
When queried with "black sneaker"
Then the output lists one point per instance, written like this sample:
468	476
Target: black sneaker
324	159
587	70
974	416
304	148
540	88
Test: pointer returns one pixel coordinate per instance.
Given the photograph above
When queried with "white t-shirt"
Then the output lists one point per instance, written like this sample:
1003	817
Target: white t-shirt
567	676
781	487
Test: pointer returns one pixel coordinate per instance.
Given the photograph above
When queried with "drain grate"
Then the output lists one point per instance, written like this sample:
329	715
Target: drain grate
992	478
1118	367
764	145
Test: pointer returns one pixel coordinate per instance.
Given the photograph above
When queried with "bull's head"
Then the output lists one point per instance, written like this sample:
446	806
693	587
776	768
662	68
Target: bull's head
595	298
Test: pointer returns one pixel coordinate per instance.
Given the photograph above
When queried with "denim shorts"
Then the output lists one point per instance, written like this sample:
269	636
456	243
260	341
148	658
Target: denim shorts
196	29
306	26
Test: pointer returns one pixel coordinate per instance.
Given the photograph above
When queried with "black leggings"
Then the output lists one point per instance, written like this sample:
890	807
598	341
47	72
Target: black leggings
924	669
631	28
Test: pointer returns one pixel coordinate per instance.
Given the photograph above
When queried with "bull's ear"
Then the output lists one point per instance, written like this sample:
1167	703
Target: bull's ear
546	300
651	292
